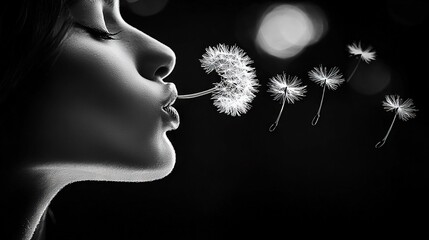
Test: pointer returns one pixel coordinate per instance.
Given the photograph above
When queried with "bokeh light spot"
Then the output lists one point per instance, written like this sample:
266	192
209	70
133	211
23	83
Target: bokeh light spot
146	8
370	78
285	30
408	12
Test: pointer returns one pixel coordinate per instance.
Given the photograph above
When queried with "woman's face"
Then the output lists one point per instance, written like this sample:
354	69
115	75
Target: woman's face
105	113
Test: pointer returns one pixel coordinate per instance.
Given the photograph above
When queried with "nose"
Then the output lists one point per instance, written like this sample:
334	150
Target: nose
154	59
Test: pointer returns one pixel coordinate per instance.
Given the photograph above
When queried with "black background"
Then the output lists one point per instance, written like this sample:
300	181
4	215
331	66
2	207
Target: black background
233	178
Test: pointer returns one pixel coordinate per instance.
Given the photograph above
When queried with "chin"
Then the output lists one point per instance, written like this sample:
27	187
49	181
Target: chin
158	164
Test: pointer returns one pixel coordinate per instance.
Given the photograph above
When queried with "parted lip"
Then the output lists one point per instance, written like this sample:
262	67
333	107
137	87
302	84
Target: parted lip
172	96
170	116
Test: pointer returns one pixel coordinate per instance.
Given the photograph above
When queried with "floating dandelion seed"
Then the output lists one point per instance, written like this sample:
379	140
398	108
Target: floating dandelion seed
403	109
330	79
285	88
366	55
238	85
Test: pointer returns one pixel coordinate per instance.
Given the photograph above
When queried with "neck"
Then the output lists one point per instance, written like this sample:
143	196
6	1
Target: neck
29	193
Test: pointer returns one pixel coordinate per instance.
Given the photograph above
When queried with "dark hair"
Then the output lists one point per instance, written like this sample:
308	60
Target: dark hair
31	34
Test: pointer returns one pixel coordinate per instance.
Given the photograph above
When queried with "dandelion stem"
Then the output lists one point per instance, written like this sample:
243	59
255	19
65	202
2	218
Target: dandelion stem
274	125
198	94
317	116
354	70
381	143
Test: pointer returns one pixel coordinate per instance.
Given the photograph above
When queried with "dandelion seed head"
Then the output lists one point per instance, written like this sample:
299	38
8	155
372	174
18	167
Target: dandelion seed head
285	87
405	109
238	85
234	105
332	78
366	55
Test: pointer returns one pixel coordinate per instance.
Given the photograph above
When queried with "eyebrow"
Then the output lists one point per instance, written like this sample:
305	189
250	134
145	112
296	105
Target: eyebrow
109	3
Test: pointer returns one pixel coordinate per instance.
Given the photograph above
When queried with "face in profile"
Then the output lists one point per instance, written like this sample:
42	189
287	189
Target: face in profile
105	113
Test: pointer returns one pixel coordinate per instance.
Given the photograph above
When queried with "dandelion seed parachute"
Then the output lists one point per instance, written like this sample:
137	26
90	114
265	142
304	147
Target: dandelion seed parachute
285	88
366	55
238	85
405	110
331	79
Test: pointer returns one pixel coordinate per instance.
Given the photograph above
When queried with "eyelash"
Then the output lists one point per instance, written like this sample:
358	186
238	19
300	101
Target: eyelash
97	33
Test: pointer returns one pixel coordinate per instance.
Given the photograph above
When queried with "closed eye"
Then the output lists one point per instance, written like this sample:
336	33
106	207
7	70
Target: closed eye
97	33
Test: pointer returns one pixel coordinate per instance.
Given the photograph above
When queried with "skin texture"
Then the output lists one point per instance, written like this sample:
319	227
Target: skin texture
100	116
104	108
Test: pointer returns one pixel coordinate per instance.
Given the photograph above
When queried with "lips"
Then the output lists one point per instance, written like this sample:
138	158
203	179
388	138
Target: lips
172	116
171	101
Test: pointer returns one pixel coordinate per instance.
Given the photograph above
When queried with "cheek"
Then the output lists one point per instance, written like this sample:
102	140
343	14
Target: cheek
105	108
105	77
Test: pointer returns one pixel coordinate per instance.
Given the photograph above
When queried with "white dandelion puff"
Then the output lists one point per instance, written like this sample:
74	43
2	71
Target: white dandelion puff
331	79
327	79
366	55
285	88
238	85
403	109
